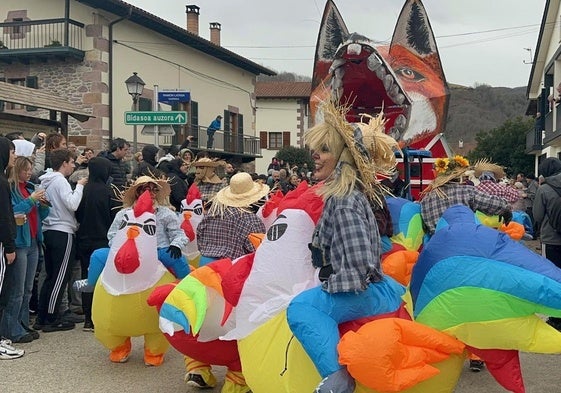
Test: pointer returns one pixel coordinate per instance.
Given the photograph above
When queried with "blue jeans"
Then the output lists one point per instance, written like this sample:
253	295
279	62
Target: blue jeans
20	275
314	316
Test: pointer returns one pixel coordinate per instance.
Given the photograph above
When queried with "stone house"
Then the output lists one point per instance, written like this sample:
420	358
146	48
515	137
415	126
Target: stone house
84	50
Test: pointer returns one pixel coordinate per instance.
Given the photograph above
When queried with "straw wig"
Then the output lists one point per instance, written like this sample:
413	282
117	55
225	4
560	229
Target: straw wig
353	144
129	196
487	166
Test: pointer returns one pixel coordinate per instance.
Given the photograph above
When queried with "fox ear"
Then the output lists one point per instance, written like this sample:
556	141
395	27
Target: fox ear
413	30
332	33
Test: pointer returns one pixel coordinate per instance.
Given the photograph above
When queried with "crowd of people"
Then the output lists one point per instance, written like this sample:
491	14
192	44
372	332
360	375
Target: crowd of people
61	206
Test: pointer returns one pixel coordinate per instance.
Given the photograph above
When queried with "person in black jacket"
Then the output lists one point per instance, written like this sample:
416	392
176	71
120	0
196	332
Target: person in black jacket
177	175
95	214
118	149
147	167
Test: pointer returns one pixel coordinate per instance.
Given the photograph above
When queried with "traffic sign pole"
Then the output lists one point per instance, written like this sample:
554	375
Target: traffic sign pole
155	108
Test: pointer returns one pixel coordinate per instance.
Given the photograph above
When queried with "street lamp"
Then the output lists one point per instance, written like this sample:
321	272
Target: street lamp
135	85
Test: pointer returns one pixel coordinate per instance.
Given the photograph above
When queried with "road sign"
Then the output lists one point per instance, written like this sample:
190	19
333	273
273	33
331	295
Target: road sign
159	117
171	97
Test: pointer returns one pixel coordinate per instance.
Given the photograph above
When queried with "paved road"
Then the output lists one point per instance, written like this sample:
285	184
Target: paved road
74	362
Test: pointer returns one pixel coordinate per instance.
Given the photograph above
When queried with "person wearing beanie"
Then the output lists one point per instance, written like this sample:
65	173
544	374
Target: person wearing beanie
147	167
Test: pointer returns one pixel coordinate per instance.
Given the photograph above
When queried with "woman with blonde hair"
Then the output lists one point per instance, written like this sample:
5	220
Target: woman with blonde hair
14	323
346	244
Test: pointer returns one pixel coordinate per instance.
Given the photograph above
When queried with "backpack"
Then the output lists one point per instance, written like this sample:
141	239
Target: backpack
553	210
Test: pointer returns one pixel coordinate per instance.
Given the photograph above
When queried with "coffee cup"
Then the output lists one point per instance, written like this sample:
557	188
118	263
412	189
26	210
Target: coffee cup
20	218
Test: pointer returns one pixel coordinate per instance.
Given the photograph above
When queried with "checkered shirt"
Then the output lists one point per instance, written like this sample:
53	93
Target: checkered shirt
500	190
433	206
227	236
209	190
348	236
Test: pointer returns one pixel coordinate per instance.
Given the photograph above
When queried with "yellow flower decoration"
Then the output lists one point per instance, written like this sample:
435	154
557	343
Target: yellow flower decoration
462	161
441	165
444	166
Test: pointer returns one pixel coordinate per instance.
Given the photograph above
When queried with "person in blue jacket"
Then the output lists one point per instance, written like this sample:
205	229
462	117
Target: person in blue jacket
29	237
212	128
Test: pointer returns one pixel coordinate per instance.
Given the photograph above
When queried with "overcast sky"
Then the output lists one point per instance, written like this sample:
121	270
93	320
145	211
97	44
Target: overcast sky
480	41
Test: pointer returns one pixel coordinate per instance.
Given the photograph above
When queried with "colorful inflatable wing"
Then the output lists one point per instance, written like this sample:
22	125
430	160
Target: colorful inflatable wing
407	223
480	286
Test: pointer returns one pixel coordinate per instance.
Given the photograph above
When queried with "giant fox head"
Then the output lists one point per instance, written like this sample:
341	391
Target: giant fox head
404	80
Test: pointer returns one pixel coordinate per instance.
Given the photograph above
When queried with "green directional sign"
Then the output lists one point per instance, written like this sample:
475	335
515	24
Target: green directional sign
160	117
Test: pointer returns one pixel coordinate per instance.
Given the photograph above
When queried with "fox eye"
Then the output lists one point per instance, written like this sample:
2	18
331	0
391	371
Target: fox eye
410	75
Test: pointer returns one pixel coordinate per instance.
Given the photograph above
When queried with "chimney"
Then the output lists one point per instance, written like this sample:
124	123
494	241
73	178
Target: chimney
192	12
215	33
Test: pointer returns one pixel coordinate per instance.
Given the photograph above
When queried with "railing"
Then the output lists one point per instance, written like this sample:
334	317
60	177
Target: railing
224	141
534	140
46	33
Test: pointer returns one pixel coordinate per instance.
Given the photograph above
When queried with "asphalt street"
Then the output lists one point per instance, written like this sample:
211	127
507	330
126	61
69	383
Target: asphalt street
75	362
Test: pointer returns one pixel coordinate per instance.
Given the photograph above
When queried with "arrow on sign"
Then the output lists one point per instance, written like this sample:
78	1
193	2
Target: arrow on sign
179	118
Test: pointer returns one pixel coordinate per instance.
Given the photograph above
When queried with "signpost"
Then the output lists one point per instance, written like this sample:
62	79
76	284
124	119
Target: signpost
155	118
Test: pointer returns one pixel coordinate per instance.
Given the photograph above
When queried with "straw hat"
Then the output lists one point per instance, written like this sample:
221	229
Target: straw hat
207	162
241	192
129	195
448	170
487	166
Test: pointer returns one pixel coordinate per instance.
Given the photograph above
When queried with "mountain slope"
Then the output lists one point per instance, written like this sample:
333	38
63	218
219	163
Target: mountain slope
482	108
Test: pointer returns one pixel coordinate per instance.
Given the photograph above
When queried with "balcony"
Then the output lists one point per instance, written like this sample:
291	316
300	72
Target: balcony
40	40
552	134
226	144
534	142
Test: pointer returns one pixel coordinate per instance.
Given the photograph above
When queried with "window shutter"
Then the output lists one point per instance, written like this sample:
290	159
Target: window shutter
194	120
240	124
285	138
31	82
144	104
263	139
226	121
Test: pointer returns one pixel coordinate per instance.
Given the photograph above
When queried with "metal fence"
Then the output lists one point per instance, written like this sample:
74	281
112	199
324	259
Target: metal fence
47	33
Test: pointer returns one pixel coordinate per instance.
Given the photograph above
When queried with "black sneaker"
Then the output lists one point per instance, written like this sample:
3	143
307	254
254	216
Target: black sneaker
26	338
69	316
34	334
476	365
58	325
88	326
38	325
196	380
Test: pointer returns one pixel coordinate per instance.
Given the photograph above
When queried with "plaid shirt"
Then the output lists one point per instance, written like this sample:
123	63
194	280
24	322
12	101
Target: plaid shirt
348	235
227	236
433	206
209	190
500	190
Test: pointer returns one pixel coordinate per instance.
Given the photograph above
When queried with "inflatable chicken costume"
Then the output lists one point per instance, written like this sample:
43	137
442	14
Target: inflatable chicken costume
131	272
192	212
